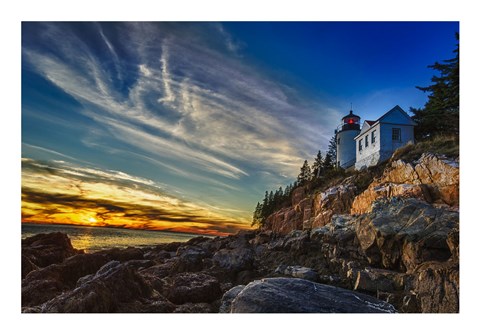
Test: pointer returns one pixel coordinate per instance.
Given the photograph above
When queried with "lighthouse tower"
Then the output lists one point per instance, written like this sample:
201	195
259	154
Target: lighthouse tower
344	135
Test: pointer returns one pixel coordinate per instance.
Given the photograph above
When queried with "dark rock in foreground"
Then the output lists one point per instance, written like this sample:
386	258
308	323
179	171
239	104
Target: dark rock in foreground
46	283
294	295
114	285
42	250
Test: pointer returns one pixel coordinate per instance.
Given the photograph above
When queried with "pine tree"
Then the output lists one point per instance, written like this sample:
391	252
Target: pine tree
332	150
440	115
328	163
265	205
305	174
317	164
257	215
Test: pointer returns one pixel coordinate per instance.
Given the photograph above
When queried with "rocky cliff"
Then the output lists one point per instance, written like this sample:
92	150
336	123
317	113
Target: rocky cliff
397	239
391	247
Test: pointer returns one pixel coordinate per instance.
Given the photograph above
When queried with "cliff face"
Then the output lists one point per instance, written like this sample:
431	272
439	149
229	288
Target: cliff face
431	179
398	239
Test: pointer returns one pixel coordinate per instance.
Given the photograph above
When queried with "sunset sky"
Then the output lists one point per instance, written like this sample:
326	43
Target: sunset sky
183	126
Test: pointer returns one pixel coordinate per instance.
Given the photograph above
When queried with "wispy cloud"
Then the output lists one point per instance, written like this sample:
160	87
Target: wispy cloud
188	96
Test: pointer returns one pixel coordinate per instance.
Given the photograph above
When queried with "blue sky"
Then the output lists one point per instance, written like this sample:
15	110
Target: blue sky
199	119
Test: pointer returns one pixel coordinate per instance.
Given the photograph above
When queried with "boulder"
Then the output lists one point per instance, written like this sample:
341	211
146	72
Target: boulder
44	284
335	200
109	290
234	260
189	258
294	295
45	249
192	288
228	297
154	275
402	233
436	286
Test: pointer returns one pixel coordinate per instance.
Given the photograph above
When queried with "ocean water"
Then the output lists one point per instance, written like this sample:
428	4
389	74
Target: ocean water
93	239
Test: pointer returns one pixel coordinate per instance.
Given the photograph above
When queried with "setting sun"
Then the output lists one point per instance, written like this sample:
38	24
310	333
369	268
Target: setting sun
92	220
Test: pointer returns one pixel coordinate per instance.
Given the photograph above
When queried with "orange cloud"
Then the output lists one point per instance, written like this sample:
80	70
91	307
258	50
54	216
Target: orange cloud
61	193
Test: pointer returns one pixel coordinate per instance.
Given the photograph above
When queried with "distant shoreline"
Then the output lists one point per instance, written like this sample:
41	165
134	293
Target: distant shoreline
118	228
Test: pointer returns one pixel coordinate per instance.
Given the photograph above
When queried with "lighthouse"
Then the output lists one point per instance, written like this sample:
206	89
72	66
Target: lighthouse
345	138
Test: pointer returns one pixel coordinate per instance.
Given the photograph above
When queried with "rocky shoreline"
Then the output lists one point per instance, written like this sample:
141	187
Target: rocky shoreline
393	247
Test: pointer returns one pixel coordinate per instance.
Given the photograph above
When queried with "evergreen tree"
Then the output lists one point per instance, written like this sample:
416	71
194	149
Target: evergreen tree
257	215
305	174
317	164
288	191
440	115
270	202
280	192
328	163
264	210
332	150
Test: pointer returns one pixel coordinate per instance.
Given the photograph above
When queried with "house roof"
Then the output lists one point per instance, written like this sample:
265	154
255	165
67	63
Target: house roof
384	119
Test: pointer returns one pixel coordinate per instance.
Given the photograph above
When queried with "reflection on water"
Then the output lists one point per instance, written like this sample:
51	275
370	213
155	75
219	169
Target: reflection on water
97	238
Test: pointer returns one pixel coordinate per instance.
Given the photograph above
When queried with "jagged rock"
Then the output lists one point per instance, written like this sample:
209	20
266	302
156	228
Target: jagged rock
403	233
294	295
298	194
363	202
192	288
240	240
154	275
228	297
234	260
189	258
27	266
45	249
432	179
453	242
113	286
442	177
261	238
44	284
436	286
298	272
374	280
297	241
284	221
335	200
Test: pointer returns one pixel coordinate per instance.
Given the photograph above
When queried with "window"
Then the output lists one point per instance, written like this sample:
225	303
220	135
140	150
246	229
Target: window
360	144
373	136
366	141
397	134
338	141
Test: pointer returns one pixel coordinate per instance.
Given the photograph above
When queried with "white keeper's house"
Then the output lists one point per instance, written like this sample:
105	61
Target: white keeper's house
375	141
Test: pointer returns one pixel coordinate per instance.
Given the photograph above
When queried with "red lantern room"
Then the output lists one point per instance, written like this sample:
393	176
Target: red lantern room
350	122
